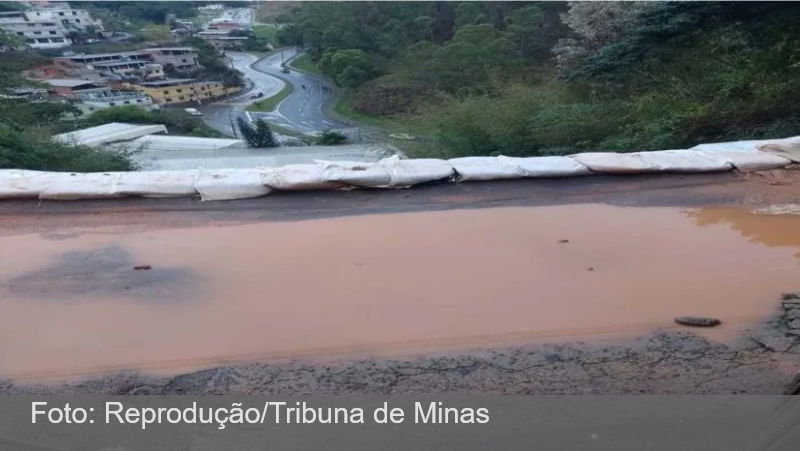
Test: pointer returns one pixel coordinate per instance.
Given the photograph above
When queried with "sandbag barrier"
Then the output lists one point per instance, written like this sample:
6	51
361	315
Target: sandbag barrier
393	172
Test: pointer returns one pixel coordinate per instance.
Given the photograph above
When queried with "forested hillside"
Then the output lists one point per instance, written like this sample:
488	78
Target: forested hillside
533	78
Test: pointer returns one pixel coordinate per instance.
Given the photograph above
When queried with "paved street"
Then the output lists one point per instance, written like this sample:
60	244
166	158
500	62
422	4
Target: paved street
302	110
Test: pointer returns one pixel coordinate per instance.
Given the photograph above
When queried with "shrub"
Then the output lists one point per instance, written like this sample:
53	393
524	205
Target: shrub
29	150
331	138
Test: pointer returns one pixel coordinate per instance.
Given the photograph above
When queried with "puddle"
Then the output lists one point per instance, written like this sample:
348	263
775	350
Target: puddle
382	284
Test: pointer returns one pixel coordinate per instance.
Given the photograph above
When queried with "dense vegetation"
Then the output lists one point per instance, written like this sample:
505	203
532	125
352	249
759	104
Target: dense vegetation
531	78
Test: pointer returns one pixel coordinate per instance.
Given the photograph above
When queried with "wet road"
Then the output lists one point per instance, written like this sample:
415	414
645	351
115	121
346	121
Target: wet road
302	110
221	115
77	268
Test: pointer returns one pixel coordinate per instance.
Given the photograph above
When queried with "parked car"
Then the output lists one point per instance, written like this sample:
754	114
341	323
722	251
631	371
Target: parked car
193	112
285	70
257	96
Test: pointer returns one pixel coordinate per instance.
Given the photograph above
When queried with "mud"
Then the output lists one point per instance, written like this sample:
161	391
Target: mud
382	285
248	292
665	363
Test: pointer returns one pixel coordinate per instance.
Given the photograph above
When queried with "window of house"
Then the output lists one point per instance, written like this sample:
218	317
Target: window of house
166	92
30	24
138	100
21	33
37	32
182	98
60	14
112	104
42	41
202	88
52	32
167	99
126	102
183	60
77	21
74	13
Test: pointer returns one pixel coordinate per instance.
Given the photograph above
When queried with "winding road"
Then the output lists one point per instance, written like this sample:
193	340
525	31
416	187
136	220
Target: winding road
302	111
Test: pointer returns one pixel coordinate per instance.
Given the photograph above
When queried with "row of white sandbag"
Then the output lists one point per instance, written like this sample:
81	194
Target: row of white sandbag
684	160
392	172
221	184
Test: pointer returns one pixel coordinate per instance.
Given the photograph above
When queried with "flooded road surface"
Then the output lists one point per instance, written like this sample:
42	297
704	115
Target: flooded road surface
72	304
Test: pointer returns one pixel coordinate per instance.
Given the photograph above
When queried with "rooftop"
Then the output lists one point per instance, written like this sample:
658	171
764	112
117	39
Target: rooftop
167	82
172	49
162	143
110	133
71	82
104	55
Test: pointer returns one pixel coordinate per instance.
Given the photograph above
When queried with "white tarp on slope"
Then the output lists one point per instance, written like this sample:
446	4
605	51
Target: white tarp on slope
485	168
548	166
406	173
109	133
231	184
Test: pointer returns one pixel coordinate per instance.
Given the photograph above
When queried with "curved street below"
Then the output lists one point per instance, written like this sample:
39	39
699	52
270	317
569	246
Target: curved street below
302	111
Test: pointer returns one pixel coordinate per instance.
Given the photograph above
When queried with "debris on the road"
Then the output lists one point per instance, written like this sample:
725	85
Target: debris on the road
590	269
563	241
696	321
142	267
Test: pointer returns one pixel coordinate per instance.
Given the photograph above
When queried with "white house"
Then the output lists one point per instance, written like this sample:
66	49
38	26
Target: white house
48	28
90	100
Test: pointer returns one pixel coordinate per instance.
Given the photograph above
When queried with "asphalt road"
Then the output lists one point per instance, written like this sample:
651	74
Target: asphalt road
302	110
221	115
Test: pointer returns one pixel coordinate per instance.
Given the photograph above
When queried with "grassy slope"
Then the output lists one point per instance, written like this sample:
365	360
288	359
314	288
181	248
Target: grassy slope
304	63
268	104
266	32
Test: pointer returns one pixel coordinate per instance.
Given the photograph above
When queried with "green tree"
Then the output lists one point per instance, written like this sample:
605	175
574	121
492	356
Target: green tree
348	68
258	135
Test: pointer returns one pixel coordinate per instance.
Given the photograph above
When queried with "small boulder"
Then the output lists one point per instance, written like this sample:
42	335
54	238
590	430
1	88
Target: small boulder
696	321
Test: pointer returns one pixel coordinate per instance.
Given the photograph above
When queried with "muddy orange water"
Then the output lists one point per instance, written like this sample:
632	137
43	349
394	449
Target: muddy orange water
72	303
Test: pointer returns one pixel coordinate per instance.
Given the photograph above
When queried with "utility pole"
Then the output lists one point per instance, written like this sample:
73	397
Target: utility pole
233	127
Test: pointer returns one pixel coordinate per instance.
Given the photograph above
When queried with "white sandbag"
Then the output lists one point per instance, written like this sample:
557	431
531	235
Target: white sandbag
82	186
367	175
158	183
741	146
231	184
548	166
615	163
485	168
405	173
746	161
683	161
21	184
298	177
786	148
